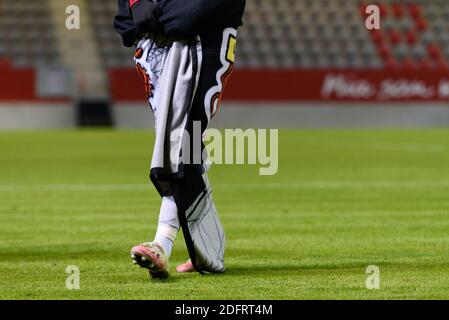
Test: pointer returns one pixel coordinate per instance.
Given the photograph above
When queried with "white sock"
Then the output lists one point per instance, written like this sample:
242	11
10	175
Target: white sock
168	226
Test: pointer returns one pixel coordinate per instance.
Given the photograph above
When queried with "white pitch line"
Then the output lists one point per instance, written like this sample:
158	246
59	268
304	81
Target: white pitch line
279	185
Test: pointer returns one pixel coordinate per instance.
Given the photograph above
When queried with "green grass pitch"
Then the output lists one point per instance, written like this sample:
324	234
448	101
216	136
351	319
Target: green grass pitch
342	200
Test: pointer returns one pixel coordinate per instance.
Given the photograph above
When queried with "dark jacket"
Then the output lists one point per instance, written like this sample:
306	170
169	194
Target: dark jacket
183	18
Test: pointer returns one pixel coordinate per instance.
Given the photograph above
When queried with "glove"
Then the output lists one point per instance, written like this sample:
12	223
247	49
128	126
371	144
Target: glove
145	15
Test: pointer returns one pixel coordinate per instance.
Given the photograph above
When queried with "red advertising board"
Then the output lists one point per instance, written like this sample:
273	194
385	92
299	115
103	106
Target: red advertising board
340	85
17	84
337	85
20	85
300	85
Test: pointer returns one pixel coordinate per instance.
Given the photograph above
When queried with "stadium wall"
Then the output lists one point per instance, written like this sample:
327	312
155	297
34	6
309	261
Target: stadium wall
302	115
256	98
309	98
130	115
21	107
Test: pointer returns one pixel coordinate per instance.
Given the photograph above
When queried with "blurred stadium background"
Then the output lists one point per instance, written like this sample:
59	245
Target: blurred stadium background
343	199
301	63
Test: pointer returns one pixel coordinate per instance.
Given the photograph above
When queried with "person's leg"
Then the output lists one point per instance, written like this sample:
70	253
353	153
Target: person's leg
152	255
168	226
199	218
191	191
155	255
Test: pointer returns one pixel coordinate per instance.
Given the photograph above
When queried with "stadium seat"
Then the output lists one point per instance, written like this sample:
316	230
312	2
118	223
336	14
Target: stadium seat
425	63
27	35
277	33
398	10
395	37
434	51
411	37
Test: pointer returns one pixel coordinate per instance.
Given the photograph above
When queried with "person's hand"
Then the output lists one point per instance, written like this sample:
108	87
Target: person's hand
145	15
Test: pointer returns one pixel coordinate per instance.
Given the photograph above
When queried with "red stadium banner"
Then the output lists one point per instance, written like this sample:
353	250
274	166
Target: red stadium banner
246	85
358	86
16	84
340	85
20	85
